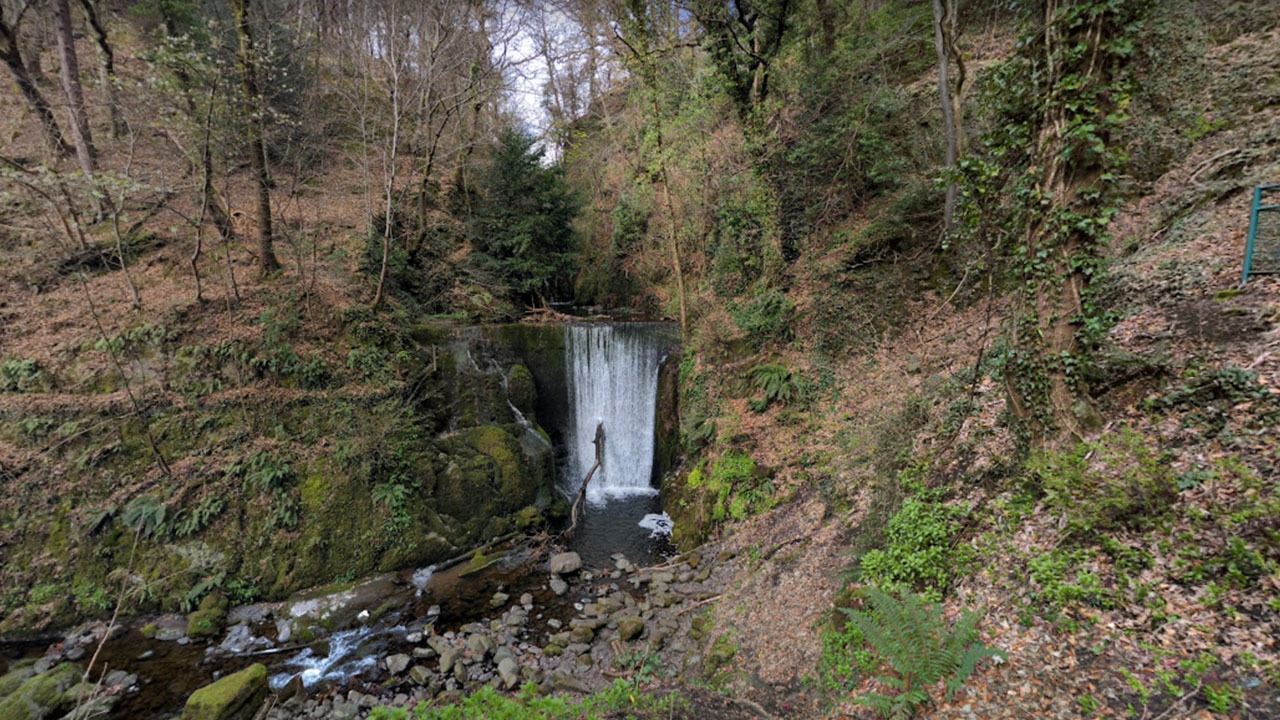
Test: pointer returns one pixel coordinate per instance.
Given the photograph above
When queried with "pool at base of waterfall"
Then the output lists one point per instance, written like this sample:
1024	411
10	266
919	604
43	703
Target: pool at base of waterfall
632	525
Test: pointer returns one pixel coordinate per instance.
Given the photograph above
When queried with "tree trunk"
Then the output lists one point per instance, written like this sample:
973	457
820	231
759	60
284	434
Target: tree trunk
86	155
26	84
257	144
944	14
107	67
1047	388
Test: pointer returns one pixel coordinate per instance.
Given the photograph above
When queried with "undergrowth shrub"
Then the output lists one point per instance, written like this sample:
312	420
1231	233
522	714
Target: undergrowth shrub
1116	481
736	487
915	649
920	552
488	704
22	376
776	384
765	318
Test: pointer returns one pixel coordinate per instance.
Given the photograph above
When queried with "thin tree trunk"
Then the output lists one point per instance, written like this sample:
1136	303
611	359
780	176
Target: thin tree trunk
941	11
257	143
27	85
81	135
107	67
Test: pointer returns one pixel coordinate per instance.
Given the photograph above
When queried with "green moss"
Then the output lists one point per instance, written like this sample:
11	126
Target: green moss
232	698
508	459
522	392
39	696
19	673
210	620
314	492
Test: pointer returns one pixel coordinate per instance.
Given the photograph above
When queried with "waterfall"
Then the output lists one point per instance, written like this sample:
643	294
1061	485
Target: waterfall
612	372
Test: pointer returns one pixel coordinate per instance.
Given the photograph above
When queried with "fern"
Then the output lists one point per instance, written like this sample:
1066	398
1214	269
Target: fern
775	382
263	471
146	516
204	513
911	637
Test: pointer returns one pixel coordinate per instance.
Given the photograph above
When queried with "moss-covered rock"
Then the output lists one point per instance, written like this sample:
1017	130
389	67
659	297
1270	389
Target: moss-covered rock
210	620
522	392
19	673
515	478
235	697
40	696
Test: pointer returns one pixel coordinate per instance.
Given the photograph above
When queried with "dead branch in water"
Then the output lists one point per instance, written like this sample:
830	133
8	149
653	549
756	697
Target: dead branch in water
580	502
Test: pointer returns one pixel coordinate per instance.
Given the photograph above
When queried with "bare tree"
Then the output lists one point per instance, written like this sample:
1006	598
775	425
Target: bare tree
81	135
944	39
12	56
247	54
106	66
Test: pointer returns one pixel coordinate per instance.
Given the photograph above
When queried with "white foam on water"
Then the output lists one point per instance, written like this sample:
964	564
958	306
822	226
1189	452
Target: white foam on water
347	658
659	524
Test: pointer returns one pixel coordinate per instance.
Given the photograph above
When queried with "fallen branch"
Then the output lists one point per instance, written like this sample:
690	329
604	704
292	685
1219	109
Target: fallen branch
579	503
699	604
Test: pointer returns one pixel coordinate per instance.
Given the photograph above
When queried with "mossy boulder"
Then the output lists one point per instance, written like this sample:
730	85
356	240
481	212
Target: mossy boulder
522	392
235	697
19	673
39	696
514	477
210	620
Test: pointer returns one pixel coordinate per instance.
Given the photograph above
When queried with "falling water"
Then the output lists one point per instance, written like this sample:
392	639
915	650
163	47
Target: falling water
612	372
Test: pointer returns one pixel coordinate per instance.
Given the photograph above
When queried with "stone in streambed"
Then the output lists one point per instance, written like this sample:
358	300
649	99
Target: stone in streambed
509	671
397	663
565	563
420	675
558	586
630	628
235	697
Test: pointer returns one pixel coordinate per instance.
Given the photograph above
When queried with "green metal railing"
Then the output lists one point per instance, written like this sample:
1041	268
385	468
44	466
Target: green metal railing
1264	220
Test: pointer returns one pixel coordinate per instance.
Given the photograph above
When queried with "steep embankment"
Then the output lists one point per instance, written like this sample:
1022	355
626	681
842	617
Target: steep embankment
1136	573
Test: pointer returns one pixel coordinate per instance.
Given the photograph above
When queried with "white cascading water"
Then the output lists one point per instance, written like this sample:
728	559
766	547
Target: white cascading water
613	379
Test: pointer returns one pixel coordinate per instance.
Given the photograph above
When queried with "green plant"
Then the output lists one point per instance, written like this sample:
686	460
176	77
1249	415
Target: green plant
22	376
619	699
776	385
1113	482
765	318
1061	581
913	640
145	516
199	518
845	658
920	551
1222	698
262	472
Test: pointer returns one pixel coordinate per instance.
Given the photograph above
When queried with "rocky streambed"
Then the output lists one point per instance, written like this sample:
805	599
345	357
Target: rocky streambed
394	640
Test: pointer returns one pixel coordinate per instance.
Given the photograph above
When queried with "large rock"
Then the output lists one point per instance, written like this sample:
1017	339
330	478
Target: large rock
39	696
565	563
234	697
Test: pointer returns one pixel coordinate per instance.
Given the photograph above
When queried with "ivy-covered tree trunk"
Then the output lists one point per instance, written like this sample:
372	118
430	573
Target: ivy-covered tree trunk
1067	204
